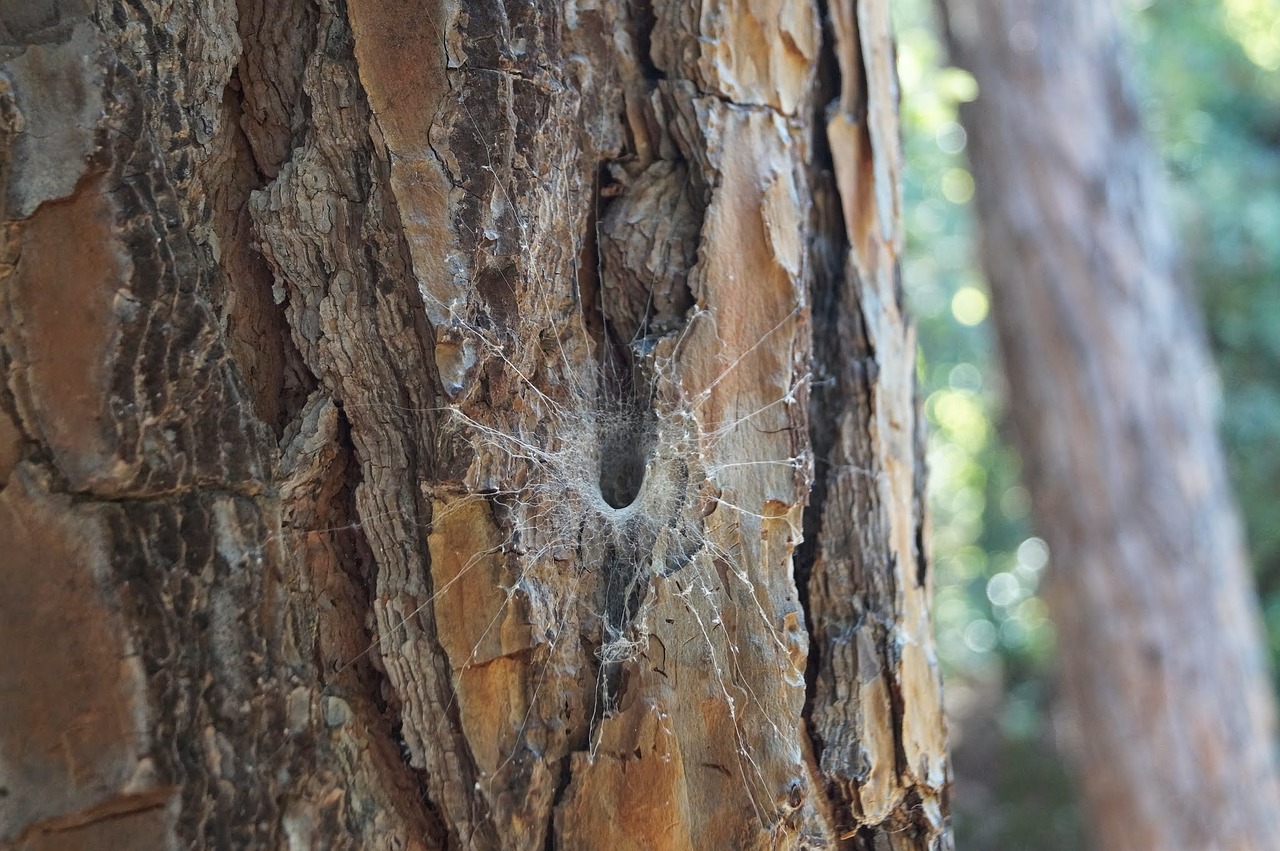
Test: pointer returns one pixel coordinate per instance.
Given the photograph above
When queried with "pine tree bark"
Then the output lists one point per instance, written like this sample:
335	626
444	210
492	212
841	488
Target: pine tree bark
476	426
1110	390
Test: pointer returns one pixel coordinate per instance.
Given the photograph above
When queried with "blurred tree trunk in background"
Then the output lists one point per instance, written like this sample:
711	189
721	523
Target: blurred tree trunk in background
409	429
1112	397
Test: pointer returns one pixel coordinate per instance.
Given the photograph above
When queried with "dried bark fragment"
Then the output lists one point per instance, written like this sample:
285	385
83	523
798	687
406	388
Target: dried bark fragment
85	742
876	710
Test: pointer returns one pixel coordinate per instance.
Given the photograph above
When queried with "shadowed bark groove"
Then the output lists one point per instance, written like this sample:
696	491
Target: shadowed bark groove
424	420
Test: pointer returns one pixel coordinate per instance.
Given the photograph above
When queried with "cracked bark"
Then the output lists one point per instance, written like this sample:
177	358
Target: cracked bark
285	281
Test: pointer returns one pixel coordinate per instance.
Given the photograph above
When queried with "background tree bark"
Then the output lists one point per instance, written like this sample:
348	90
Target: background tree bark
1110	391
480	425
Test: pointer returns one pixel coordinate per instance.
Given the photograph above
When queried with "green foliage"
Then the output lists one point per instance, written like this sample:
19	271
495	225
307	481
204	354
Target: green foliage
991	625
1214	109
1211	69
988	565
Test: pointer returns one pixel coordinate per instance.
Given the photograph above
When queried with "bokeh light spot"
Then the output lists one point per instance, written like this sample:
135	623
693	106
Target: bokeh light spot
969	306
957	185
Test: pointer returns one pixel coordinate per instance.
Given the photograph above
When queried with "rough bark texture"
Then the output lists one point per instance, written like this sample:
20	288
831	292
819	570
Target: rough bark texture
1111	392
414	433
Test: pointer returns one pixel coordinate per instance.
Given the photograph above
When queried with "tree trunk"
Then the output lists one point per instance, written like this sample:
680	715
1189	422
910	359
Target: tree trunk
476	426
1110	389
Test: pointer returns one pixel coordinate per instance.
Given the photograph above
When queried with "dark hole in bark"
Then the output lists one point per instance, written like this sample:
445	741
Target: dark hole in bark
624	448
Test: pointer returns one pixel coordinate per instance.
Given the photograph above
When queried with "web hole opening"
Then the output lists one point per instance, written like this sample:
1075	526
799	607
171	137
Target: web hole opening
624	456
